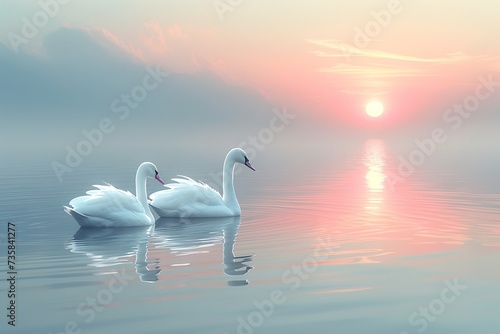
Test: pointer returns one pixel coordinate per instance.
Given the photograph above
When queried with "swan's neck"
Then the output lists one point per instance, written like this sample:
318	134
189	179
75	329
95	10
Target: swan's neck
229	196
140	192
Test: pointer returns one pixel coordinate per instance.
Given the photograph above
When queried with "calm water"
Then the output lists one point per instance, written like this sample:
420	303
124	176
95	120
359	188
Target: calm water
330	247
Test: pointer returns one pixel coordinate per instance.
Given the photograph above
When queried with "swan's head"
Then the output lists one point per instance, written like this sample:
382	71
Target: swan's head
150	170
238	155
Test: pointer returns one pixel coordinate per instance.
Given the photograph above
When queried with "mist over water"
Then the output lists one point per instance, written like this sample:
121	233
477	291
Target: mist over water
350	223
327	234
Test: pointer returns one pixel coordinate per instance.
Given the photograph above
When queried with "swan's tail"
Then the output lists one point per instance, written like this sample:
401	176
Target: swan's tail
67	210
80	218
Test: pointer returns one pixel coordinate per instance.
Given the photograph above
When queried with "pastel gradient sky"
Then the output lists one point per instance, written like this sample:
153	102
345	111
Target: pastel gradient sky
324	58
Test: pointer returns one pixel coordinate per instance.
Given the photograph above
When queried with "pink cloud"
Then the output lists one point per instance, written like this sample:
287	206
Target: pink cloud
176	32
127	47
155	39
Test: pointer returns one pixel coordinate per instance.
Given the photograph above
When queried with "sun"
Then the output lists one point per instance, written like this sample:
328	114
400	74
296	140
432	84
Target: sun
374	109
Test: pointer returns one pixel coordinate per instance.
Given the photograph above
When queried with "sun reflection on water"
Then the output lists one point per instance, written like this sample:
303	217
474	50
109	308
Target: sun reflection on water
374	160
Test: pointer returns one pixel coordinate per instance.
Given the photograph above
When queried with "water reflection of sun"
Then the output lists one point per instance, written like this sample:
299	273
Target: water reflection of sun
374	160
361	218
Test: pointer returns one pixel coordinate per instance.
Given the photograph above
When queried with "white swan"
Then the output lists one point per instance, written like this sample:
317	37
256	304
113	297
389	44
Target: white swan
188	198
111	207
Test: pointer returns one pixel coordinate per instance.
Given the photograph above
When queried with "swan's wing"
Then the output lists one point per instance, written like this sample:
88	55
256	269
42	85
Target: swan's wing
185	193
185	182
107	201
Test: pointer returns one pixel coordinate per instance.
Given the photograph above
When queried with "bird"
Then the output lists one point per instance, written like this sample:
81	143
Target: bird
189	198
111	207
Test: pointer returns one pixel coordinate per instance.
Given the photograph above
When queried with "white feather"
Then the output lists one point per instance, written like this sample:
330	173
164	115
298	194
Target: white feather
188	198
107	206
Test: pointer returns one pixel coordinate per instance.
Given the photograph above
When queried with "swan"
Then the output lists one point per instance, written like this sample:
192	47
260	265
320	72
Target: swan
111	207
188	198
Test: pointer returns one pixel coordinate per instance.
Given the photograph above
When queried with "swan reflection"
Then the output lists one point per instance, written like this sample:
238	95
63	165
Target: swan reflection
107	247
197	235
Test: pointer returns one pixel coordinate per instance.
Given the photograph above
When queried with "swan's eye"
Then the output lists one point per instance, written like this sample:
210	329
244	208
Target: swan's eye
156	172
246	159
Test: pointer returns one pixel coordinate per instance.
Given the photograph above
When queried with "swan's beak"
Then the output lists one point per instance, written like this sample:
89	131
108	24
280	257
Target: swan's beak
249	165
157	176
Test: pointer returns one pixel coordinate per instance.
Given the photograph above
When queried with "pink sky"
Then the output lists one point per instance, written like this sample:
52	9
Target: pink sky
328	58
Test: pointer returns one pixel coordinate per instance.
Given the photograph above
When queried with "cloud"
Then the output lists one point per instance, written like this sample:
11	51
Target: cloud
176	32
346	50
74	69
127	47
154	38
371	71
79	74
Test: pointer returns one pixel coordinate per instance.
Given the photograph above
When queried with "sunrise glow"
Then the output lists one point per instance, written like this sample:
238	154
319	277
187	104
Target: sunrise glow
374	109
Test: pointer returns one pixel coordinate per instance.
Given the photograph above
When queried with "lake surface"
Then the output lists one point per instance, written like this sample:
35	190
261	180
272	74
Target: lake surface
332	245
